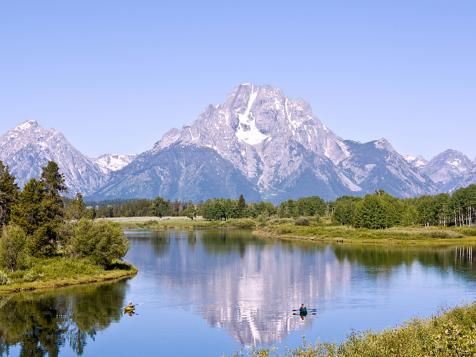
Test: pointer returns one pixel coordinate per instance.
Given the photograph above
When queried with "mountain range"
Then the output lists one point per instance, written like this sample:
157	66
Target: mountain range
257	142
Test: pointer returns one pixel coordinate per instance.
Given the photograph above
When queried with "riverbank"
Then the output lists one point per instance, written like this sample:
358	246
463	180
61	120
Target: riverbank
451	334
51	273
317	231
322	232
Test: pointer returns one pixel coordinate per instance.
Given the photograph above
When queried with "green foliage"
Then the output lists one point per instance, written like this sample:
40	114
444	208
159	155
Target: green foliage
190	211
452	334
161	207
220	209
13	248
44	242
241	207
76	208
103	242
306	206
8	194
28	212
377	211
344	210
4	278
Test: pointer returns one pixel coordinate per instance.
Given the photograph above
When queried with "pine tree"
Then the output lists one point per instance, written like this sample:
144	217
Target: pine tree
54	185
241	206
8	194
77	208
28	212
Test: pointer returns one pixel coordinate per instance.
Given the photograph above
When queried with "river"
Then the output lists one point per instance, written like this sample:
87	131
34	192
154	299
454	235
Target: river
212	293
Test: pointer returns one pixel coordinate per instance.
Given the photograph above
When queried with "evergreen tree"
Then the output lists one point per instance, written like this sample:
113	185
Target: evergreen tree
77	208
241	207
54	185
28	212
8	194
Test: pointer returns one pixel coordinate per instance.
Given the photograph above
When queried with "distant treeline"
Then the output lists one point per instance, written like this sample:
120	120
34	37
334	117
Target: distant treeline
376	211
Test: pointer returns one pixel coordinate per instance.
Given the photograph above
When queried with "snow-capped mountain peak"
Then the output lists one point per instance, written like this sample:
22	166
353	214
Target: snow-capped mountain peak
417	161
27	125
28	147
259	129
448	169
113	162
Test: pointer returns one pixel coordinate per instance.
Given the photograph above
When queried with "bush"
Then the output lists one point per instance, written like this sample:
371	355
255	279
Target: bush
32	276
4	278
102	241
301	221
442	234
13	249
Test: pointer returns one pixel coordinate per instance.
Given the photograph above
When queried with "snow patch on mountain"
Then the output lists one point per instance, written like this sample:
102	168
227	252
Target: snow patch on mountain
416	161
113	162
247	130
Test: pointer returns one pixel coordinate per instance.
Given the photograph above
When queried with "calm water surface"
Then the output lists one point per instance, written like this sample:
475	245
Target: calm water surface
209	293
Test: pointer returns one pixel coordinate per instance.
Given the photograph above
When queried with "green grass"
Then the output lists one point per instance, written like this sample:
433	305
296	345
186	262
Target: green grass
451	334
58	272
324	231
321	230
244	223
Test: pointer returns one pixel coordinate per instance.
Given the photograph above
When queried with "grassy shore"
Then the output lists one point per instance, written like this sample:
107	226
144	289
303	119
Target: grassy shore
59	272
451	334
319	231
322	231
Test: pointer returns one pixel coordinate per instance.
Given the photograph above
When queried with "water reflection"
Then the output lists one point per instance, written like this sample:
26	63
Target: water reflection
220	290
250	286
42	323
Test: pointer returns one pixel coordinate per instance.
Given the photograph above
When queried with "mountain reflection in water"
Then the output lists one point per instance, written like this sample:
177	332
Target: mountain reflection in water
250	286
212	292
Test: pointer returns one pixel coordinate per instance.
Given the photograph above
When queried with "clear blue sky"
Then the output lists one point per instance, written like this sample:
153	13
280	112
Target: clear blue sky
115	75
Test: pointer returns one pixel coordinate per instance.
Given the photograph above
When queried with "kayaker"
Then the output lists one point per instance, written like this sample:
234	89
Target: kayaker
303	311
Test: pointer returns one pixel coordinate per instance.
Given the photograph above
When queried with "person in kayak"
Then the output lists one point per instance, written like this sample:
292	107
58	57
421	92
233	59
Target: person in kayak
303	311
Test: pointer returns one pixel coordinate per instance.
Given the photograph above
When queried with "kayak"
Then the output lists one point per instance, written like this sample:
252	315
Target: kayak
129	309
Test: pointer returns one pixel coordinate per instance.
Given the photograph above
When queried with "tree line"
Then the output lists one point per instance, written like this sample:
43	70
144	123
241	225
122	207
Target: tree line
376	211
36	222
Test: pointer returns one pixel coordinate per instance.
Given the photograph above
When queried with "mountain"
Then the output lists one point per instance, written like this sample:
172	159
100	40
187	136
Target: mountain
178	172
376	165
113	162
28	147
449	170
279	147
416	161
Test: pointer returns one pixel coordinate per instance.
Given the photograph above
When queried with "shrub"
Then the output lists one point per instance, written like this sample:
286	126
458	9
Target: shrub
101	241
301	221
32	276
442	234
4	278
13	249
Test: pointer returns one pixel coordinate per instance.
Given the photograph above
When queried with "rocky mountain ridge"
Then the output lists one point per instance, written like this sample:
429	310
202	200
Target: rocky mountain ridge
257	142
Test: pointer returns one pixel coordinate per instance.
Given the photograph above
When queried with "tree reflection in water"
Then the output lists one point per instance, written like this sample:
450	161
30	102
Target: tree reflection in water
41	323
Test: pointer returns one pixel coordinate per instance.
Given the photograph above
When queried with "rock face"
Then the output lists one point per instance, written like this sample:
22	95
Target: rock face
258	142
180	171
449	170
28	147
284	151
